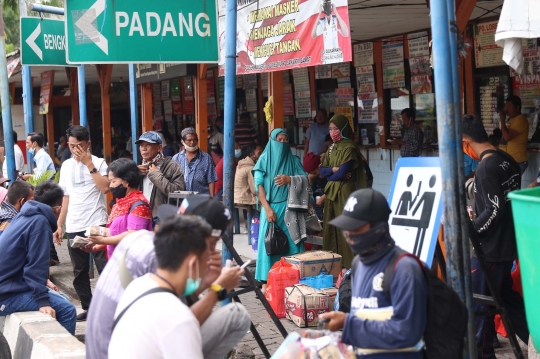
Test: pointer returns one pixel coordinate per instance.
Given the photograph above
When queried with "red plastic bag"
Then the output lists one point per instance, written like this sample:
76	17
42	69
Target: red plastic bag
281	276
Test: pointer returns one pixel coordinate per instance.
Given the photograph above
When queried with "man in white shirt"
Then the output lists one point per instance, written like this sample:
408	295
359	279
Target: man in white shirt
44	163
84	181
151	321
19	158
329	25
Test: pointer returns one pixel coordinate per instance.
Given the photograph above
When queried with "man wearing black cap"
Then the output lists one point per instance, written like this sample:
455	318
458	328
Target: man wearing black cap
134	257
375	321
161	175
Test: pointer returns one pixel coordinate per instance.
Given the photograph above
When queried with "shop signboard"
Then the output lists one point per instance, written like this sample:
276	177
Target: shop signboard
139	31
527	87
365	80
274	35
43	42
418	44
392	63
342	72
487	53
417	205
421	84
251	100
45	91
363	54
288	105
368	109
323	72
346	111
146	73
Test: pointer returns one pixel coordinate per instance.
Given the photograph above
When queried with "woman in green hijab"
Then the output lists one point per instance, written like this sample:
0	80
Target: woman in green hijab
342	166
272	174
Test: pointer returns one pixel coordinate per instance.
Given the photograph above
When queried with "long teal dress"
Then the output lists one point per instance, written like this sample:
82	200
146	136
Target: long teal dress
277	159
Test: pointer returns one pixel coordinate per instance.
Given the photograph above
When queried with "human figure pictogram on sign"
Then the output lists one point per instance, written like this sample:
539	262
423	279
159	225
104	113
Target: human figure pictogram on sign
426	201
406	202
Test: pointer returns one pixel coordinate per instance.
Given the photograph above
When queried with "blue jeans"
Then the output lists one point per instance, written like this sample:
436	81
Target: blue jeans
66	314
523	166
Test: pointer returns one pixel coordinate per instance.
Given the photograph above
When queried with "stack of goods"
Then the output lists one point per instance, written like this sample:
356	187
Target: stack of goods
317	262
281	276
314	345
304	304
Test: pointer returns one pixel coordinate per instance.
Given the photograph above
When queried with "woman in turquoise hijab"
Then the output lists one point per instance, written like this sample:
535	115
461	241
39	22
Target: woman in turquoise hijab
272	174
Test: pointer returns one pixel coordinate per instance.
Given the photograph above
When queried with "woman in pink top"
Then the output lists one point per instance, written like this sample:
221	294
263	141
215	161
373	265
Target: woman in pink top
131	211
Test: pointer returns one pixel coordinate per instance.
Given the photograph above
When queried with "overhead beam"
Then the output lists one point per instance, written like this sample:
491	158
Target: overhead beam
464	12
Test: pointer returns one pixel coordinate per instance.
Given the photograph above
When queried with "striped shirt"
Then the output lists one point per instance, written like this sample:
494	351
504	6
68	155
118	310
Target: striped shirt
244	134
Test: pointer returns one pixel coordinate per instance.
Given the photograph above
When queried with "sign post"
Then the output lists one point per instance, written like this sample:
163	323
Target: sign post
138	31
43	42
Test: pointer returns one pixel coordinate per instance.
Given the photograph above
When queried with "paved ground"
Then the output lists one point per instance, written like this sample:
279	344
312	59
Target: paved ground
62	276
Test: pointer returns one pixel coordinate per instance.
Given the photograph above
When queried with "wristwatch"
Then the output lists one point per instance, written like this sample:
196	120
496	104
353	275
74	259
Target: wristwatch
93	171
221	292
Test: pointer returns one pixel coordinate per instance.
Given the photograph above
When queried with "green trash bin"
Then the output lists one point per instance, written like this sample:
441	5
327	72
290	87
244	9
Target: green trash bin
526	212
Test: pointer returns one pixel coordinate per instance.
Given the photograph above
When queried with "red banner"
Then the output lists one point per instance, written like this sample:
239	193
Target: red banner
47	79
275	35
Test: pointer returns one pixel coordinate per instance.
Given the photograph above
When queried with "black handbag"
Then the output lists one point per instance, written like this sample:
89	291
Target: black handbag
275	241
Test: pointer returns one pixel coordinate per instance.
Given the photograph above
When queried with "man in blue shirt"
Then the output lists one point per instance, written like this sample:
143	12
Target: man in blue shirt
316	134
44	163
376	321
199	171
469	166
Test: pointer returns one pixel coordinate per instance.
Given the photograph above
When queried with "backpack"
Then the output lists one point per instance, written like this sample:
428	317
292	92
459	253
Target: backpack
344	295
446	314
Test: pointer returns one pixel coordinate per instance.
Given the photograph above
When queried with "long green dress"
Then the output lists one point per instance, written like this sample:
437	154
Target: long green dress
277	159
337	192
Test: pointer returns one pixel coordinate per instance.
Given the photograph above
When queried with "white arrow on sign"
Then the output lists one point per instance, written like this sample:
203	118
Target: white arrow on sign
85	23
31	41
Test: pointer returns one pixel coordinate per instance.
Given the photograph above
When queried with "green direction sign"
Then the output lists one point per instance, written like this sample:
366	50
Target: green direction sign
141	31
43	42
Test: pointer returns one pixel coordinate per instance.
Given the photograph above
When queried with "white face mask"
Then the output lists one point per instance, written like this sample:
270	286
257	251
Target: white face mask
190	148
237	153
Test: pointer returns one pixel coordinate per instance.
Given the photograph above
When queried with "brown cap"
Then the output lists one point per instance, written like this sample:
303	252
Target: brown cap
4	180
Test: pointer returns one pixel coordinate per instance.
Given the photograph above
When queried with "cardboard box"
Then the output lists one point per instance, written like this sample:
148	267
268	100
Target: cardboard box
316	262
304	304
331	293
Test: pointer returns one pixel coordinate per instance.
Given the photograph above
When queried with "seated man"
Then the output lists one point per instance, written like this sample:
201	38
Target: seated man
364	222
18	194
24	263
135	256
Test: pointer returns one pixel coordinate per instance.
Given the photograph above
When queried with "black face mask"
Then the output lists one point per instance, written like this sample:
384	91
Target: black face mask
118	191
373	244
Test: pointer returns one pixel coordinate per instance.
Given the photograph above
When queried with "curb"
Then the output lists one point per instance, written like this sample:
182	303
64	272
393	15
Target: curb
34	335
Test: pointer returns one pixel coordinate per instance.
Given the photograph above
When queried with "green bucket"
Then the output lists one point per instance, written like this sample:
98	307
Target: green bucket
526	212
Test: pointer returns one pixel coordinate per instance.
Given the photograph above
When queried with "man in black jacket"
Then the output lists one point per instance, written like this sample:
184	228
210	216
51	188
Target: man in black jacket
497	175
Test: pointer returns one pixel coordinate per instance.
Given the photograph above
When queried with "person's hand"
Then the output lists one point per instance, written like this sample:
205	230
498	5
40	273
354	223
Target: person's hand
153	168
281	180
143	169
502	115
48	310
26	176
320	201
97	239
533	184
271	215
348	176
213	269
337	320
230	277
52	286
57	236
85	157
93	248
335	169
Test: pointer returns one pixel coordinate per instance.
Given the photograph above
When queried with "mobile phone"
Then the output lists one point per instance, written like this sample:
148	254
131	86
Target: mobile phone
246	264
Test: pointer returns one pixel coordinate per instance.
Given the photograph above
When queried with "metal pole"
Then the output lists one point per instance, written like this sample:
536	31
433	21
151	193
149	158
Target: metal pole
230	115
47	9
82	95
449	129
470	340
27	98
133	107
6	104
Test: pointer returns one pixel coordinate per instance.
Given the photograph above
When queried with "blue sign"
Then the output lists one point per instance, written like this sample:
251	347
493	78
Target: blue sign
417	205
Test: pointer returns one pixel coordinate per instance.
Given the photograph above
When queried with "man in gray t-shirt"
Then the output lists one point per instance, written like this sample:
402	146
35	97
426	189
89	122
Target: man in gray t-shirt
221	330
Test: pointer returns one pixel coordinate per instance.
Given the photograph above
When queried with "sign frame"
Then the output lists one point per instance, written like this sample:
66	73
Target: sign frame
131	61
420	162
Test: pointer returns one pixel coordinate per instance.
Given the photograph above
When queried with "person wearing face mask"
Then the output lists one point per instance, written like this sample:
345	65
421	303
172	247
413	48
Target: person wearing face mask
343	168
130	213
18	194
151	321
244	182
364	222
413	138
44	163
497	174
84	181
199	171
221	329
219	171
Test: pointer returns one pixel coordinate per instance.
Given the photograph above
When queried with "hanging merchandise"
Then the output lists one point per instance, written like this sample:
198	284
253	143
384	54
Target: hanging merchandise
392	63
363	54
